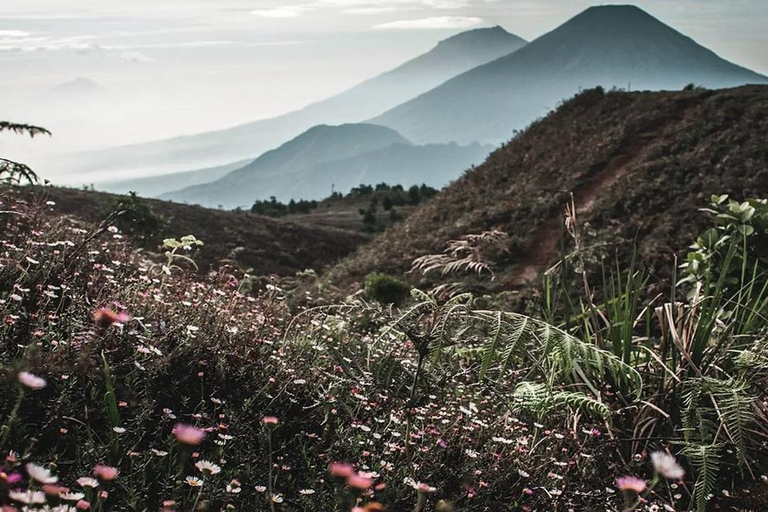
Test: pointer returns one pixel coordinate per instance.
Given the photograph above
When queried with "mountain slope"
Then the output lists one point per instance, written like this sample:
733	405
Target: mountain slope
267	245
275	170
435	165
449	58
640	165
611	46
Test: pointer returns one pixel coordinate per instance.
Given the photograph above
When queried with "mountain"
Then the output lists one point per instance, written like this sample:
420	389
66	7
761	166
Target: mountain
640	166
78	89
612	46
449	58
435	165
280	169
155	186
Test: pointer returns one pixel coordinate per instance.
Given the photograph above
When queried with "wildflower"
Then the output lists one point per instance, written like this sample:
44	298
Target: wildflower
631	483
27	497
193	481
40	474
54	489
666	465
374	507
106	473
260	488
118	430
341	470
105	317
82	505
71	496
87	481
270	420
207	467
359	482
188	434
31	381
425	488
306	492
277	498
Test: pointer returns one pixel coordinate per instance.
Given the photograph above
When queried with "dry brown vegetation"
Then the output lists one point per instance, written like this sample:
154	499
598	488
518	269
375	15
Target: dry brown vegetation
640	166
268	246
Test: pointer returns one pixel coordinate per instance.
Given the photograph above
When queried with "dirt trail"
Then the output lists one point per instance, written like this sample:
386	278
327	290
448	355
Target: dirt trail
545	247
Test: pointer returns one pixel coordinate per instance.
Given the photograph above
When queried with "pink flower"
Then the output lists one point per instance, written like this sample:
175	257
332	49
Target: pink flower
270	420
341	470
83	505
666	465
188	434
359	482
631	483
31	381
105	317
106	473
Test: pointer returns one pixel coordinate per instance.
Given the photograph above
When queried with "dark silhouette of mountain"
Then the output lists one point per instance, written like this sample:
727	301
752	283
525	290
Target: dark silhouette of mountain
154	186
328	158
611	46
640	166
449	58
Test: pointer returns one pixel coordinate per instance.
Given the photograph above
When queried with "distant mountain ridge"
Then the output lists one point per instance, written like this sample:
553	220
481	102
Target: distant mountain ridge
327	158
154	186
370	98
274	169
612	46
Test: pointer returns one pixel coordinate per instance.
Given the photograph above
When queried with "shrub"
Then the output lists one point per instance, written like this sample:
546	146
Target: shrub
386	289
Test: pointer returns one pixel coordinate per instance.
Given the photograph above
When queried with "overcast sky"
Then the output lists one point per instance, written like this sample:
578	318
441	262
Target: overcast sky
158	68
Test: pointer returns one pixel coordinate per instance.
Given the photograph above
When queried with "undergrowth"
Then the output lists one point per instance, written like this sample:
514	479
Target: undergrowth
137	384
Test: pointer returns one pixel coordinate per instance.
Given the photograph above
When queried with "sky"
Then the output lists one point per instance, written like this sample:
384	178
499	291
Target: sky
104	73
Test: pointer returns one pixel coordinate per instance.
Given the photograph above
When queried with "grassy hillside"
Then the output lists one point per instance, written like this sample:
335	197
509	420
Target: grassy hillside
640	165
133	385
268	246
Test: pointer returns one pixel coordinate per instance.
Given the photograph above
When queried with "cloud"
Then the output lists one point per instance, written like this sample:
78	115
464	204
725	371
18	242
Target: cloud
13	34
359	7
286	11
134	57
435	22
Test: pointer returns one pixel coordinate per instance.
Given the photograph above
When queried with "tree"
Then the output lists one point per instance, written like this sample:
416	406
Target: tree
15	172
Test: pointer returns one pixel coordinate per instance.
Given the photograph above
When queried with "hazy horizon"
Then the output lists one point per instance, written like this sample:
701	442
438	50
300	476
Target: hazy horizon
152	71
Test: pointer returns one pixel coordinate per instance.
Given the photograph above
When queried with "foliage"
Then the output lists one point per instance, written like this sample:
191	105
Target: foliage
386	289
137	218
15	172
494	409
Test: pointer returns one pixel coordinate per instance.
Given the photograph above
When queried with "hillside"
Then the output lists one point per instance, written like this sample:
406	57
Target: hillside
640	165
370	98
327	158
268	246
609	46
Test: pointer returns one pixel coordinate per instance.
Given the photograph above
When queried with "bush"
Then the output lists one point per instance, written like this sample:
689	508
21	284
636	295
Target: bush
386	289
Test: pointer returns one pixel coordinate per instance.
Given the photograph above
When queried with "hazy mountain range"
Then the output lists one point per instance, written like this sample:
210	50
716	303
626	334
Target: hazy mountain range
611	46
472	89
327	158
154	186
373	97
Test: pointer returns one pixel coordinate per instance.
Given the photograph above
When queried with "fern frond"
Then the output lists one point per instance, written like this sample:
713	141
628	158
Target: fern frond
705	460
541	400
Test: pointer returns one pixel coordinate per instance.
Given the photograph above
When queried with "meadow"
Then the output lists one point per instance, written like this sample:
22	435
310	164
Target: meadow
144	383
